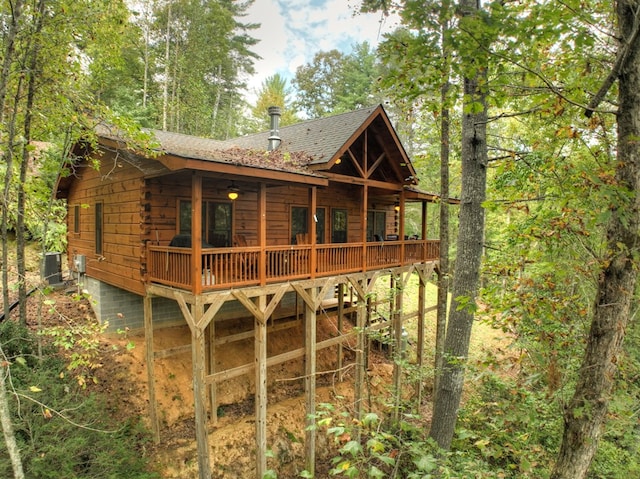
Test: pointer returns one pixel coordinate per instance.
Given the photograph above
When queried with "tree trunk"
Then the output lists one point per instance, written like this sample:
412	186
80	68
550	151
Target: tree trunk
469	255
32	53
9	50
5	420
443	269
167	59
586	412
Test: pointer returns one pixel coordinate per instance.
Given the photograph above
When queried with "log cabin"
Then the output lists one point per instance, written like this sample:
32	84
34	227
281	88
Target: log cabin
197	230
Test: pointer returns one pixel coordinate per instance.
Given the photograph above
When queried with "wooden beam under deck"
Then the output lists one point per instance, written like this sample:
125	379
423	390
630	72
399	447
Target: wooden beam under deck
201	321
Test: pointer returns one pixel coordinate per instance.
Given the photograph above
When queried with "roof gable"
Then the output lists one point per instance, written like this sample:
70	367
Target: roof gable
360	143
321	138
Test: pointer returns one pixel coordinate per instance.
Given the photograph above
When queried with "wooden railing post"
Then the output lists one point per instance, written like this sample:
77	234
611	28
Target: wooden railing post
313	206
425	248
401	230
262	233
363	220
196	234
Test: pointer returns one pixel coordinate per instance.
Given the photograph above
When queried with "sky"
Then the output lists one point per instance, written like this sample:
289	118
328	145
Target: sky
293	31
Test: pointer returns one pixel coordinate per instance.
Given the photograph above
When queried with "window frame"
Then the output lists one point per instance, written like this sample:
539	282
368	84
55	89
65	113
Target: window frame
334	223
320	218
99	227
376	224
76	219
184	217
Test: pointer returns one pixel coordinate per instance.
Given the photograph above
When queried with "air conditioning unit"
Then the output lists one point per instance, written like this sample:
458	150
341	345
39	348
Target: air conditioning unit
53	268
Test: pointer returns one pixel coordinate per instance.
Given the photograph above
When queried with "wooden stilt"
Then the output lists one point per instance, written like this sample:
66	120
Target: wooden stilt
420	348
199	390
151	376
397	347
310	380
340	326
361	321
211	359
261	389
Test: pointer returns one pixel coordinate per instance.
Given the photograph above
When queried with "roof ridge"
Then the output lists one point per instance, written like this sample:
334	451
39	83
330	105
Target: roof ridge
307	122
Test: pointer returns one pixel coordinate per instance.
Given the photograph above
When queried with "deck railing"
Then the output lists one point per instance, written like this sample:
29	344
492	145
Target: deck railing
231	267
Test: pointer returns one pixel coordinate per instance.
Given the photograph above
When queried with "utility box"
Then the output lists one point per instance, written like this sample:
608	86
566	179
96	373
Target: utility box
53	268
80	263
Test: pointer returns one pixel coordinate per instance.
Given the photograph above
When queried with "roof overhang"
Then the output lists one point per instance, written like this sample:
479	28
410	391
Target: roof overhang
176	163
415	194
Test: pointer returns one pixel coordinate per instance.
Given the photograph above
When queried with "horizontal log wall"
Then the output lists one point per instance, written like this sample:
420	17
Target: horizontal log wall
118	186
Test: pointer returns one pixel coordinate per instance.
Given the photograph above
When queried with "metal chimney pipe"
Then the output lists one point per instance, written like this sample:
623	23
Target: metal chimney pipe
274	137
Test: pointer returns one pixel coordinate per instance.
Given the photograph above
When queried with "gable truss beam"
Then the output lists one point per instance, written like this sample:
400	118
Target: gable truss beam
376	164
363	181
356	164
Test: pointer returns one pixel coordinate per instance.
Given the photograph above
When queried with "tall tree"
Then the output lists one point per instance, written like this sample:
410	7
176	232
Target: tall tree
274	92
587	409
10	38
335	82
205	51
474	157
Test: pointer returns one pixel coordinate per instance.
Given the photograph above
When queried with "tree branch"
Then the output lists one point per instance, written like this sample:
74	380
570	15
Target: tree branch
621	57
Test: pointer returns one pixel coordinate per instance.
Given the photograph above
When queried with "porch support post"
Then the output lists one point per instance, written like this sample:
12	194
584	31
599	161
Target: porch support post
420	350
199	390
397	346
262	233
260	351
340	321
363	220
196	233
211	359
313	207
151	376
310	379
401	229
361	321
424	231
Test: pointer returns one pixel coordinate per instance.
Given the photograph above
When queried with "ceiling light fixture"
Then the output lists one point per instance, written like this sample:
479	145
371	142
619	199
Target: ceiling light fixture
233	191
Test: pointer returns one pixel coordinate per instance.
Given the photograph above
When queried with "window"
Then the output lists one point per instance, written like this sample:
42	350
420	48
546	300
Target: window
299	221
76	219
99	228
338	225
320	225
376	225
300	225
216	222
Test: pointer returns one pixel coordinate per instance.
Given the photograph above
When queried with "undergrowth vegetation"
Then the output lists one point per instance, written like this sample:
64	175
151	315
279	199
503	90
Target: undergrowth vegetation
510	426
62	429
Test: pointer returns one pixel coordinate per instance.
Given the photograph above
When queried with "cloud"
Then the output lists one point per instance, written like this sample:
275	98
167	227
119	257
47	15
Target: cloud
293	31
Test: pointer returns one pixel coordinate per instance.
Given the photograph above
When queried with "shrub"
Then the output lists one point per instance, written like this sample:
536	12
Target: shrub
62	430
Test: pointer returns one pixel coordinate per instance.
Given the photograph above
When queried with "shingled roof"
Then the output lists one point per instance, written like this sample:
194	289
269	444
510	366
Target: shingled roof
305	147
321	138
187	146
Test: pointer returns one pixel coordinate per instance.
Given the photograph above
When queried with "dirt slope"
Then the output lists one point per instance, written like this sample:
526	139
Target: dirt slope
122	381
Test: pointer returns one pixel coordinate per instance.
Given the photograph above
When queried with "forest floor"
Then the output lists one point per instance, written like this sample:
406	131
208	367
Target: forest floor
121	380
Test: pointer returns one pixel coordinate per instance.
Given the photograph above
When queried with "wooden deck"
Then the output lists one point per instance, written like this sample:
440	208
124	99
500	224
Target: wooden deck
250	266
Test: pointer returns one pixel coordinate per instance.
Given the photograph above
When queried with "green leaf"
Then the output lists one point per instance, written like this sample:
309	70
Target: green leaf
370	419
375	472
425	463
352	447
